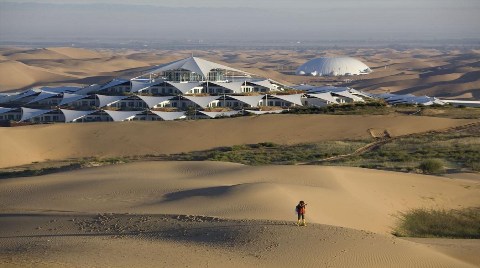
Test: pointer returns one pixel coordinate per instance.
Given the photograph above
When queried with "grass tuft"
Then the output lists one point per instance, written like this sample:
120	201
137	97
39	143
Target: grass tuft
453	223
432	166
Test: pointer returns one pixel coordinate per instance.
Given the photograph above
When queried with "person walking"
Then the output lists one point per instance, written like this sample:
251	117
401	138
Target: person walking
300	208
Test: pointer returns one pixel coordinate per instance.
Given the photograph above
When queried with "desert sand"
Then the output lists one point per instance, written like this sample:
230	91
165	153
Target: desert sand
445	73
214	214
224	214
24	145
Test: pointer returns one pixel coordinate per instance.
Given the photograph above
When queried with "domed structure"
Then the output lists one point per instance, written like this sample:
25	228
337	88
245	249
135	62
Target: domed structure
333	67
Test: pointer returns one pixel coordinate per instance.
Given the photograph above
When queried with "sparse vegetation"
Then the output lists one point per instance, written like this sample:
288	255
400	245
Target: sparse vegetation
371	107
463	223
429	153
457	150
28	172
270	153
38	169
378	107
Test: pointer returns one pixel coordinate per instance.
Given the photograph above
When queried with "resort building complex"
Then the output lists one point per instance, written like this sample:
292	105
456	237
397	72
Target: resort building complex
187	88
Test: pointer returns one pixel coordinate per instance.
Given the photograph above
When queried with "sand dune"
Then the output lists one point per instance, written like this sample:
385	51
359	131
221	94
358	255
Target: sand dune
261	198
104	66
60	141
22	68
15	74
76	53
31	54
340	196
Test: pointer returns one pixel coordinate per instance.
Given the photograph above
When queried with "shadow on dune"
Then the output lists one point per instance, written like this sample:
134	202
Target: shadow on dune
179	228
205	192
466	78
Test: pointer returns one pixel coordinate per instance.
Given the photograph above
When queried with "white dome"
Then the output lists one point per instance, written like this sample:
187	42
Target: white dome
333	67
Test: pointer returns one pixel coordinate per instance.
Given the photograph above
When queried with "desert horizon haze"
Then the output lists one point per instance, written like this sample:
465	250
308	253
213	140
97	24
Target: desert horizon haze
235	21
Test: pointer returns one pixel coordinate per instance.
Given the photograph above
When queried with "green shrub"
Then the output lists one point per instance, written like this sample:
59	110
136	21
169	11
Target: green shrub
432	166
440	223
239	147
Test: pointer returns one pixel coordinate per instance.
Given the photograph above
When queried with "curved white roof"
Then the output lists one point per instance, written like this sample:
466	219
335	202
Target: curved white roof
194	64
250	100
184	87
118	116
151	101
28	113
107	100
72	115
69	98
43	95
60	89
202	101
333	67
327	96
5	110
293	98
167	116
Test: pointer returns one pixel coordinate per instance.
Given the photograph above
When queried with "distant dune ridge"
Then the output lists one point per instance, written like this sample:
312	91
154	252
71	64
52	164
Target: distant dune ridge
434	72
60	141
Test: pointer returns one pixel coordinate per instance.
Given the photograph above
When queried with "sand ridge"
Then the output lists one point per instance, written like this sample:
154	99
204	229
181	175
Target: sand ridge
60	141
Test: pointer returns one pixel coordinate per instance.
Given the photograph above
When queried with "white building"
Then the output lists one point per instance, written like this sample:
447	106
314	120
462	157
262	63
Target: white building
337	66
188	87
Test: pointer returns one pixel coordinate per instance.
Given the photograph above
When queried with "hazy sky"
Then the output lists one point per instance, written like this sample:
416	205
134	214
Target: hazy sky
247	20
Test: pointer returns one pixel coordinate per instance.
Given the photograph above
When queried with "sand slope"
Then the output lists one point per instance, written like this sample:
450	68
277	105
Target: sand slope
341	196
59	141
17	74
48	220
76	53
168	241
24	68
